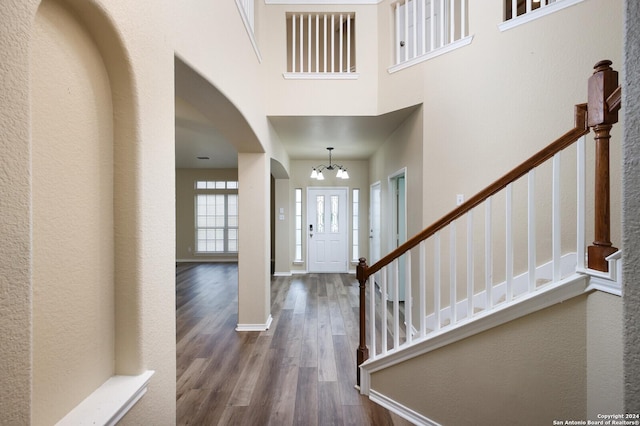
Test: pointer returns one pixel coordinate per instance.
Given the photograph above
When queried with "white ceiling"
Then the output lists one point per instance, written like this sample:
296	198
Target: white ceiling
304	137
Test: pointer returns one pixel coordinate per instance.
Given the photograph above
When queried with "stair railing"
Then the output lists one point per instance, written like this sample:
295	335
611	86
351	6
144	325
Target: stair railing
388	326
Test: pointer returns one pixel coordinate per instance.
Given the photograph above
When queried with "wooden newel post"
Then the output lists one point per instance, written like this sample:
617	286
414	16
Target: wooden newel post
602	84
362	354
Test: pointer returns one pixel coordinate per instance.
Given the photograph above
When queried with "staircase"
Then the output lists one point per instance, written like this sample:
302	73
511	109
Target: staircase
513	250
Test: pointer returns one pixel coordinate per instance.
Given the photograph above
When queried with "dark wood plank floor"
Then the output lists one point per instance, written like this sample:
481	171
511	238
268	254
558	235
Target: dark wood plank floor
299	372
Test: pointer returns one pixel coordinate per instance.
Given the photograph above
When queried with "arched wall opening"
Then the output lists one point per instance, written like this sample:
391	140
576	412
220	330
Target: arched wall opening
86	304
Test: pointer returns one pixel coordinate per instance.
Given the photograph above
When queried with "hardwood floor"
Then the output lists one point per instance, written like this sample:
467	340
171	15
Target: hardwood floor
299	372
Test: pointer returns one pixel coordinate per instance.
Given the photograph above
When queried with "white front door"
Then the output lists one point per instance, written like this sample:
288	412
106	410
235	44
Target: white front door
327	229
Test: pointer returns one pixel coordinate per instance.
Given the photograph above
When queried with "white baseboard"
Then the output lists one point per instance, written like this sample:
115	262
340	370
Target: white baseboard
110	402
255	327
404	412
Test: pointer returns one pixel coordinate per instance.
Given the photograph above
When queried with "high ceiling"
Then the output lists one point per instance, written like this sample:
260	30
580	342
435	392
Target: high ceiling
304	137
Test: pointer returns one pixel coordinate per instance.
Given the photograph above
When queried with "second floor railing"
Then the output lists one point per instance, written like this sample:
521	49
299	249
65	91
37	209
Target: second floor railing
451	286
321	44
424	26
521	11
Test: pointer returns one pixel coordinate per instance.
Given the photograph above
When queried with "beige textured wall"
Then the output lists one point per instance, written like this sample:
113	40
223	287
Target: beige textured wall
284	214
490	105
402	150
185	211
331	97
221	35
605	380
254	242
15	193
631	260
138	288
529	371
73	243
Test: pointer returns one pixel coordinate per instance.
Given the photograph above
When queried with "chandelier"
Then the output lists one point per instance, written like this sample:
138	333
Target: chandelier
316	172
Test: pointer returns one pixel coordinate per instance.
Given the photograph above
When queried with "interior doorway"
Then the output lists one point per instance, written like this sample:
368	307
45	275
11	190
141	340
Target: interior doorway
374	226
398	191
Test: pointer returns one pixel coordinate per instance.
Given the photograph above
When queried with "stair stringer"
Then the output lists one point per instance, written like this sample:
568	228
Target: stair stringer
549	295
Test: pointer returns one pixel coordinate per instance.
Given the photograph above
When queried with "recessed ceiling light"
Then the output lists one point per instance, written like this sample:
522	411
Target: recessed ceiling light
202	158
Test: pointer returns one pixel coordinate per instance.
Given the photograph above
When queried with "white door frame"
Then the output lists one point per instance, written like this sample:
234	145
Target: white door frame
375	241
344	220
394	235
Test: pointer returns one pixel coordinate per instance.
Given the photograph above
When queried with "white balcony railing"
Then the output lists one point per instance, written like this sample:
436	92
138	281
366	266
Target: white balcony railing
321	45
517	12
427	28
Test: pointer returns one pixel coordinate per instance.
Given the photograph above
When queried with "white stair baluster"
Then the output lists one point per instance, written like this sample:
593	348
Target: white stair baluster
385	318
531	229
452	272
396	304
423	289
372	314
436	280
556	218
581	203
488	256
509	241
407	300
470	264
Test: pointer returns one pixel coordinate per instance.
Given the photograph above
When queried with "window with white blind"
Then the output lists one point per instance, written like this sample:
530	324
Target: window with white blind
217	222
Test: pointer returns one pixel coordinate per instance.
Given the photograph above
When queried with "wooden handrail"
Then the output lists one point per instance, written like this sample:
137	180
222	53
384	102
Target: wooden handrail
614	102
581	128
600	112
